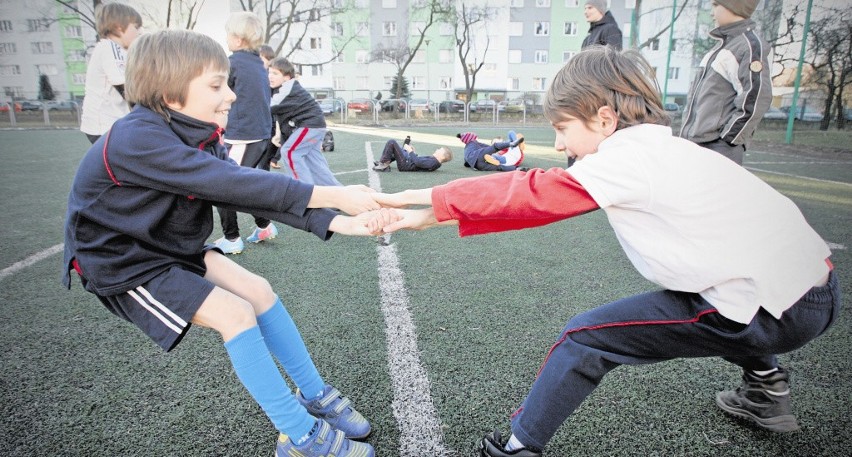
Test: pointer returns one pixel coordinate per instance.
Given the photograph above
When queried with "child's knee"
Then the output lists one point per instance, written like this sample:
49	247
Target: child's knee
260	290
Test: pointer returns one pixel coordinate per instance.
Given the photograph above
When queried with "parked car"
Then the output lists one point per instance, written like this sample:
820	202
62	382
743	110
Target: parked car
451	106
671	107
4	107
31	105
483	106
807	116
512	106
420	105
330	106
360	104
775	113
394	104
61	105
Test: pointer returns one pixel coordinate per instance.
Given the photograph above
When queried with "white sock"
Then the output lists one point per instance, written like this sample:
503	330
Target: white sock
766	373
514	443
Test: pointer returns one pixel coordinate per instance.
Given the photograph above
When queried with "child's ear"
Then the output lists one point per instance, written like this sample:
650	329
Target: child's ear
607	120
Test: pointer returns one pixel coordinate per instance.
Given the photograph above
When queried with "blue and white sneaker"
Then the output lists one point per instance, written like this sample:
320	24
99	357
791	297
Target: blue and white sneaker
260	234
325	442
337	410
230	247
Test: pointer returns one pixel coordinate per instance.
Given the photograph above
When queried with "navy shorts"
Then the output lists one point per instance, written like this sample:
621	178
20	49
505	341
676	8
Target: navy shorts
163	306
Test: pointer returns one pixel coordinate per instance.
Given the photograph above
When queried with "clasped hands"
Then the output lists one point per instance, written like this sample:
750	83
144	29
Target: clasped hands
375	213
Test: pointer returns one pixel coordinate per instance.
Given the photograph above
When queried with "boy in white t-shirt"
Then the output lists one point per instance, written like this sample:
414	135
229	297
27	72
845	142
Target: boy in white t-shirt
742	275
118	26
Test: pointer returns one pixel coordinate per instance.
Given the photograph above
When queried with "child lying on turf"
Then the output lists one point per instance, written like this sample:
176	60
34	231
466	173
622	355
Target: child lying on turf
742	274
141	208
407	160
475	153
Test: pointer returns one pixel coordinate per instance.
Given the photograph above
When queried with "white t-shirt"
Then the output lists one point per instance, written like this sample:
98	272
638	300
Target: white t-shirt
692	220
102	104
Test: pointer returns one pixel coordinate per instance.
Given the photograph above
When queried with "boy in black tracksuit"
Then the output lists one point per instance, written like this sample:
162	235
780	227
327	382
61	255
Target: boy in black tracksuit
407	160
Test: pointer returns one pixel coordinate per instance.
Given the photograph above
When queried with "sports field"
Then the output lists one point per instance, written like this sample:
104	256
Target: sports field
435	338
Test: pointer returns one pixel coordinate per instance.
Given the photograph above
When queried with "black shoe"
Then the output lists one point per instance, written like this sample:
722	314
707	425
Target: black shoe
763	400
492	445
407	141
517	142
523	168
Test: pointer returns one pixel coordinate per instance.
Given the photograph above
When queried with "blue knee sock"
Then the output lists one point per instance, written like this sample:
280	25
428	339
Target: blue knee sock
285	342
259	374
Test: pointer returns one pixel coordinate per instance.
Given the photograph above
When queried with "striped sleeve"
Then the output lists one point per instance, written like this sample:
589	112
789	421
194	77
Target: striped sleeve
755	97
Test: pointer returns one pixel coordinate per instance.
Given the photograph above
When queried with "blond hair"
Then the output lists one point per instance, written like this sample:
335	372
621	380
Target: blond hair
603	76
113	18
446	152
246	26
161	65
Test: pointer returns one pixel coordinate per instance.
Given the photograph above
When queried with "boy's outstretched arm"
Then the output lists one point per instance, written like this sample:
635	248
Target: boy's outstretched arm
349	199
415	219
404	198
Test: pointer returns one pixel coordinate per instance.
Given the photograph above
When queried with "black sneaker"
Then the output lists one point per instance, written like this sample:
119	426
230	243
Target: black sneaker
492	445
763	400
406	141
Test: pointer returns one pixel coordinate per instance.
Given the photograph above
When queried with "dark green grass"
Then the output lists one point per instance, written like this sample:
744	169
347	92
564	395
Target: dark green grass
78	381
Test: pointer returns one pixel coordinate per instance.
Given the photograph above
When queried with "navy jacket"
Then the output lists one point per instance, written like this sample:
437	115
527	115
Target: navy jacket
295	109
142	200
249	117
604	32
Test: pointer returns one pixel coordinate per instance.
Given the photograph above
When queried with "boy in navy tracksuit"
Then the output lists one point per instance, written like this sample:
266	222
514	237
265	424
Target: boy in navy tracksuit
407	160
249	121
140	210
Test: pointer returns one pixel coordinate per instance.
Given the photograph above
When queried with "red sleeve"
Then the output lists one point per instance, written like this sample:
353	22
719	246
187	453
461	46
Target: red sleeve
511	201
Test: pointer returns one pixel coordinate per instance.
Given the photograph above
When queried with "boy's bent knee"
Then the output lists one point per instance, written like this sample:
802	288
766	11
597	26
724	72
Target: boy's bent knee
226	313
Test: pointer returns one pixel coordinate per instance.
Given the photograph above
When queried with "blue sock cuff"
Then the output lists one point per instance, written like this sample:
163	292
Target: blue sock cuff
243	347
271	315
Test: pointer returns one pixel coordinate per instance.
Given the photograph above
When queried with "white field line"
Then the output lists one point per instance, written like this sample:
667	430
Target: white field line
416	416
841	183
18	266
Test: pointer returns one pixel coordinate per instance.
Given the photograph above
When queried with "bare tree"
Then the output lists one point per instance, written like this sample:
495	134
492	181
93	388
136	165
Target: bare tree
87	14
830	58
185	11
467	19
402	53
638	13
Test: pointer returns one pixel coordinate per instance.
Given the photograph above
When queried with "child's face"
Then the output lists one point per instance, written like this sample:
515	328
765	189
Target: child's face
723	16
208	99
577	139
128	36
276	78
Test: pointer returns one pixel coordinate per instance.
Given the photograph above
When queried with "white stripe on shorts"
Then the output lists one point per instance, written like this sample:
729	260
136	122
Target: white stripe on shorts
154	312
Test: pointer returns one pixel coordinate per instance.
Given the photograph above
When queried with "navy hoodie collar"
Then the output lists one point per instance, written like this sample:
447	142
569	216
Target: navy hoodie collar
193	131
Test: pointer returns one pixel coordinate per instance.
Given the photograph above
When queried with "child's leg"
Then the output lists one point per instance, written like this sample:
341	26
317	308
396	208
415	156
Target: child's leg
277	327
390	152
234	319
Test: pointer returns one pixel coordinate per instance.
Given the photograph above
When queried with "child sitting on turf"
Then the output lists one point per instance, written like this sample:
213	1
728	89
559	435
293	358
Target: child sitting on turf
141	208
513	155
742	274
302	125
475	153
407	160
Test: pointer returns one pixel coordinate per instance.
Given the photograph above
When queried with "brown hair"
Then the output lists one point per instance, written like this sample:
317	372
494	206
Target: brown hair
161	65
602	76
113	18
246	26
284	66
266	52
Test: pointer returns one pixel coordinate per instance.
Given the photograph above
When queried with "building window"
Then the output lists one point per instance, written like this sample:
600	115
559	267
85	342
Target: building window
419	56
541	56
316	43
538	83
5	26
363	29
10	70
572	3
338	58
446	82
13	91
389	28
513	84
362	82
445	55
567	55
542	3
47	69
515	55
316	70
42	47
674	73
79	78
570	29
655	44
542	28
336	29
73	31
516	3
8	48
516	29
337	4
388	3
362	56
338	82
418	82
38	25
